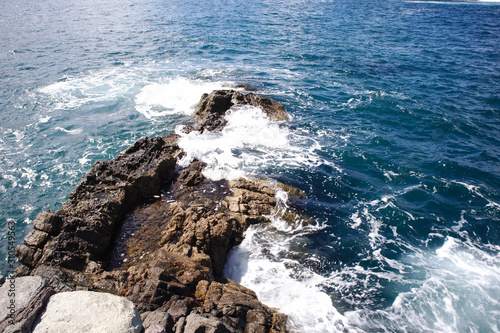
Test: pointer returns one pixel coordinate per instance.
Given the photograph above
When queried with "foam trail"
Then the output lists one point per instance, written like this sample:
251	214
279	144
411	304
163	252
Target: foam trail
103	86
308	308
155	95
73	131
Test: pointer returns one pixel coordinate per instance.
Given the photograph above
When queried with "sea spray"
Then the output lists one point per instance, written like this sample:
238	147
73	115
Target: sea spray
177	95
459	293
247	143
264	262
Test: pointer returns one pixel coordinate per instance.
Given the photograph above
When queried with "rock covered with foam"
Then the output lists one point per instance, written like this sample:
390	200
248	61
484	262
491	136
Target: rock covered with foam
212	108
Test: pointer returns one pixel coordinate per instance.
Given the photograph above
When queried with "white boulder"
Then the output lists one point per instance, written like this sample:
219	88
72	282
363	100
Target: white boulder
89	312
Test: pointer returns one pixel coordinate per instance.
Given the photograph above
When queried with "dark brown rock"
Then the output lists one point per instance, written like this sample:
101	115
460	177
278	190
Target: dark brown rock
238	304
84	229
208	324
192	175
155	282
47	221
212	108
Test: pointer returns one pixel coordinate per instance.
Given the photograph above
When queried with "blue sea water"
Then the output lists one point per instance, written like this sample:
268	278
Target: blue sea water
394	138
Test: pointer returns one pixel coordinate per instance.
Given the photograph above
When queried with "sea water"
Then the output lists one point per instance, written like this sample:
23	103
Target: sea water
394	138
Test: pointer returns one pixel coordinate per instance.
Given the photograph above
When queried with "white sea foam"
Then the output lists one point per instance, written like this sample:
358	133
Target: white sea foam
72	131
259	263
43	119
95	87
176	95
156	91
460	293
476	190
366	215
249	143
390	175
19	135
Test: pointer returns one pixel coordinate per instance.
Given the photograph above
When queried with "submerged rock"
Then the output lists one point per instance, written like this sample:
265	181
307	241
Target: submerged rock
140	228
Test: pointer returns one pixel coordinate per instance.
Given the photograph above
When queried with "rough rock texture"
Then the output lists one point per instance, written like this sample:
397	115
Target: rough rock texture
82	231
31	295
212	108
140	228
87	311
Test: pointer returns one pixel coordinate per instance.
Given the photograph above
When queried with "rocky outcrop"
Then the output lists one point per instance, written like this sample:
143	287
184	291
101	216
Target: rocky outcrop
140	228
213	107
87	311
82	230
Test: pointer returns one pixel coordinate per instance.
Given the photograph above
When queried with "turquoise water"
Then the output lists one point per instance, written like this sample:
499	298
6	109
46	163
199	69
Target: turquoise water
394	137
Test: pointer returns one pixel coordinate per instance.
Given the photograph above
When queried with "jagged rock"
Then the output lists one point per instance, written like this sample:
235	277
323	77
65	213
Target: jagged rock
158	320
48	222
245	87
180	308
179	326
86	311
238	304
60	279
137	228
84	228
208	324
21	301
203	222
155	329
212	108
192	175
154	283
36	238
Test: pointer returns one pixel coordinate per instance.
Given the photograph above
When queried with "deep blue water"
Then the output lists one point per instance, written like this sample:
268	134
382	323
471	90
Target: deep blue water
394	137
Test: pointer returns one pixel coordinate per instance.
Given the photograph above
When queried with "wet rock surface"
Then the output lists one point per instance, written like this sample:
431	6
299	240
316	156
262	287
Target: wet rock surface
140	228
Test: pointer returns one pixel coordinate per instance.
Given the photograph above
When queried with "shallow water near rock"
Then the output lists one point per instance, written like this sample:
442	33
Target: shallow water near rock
393	138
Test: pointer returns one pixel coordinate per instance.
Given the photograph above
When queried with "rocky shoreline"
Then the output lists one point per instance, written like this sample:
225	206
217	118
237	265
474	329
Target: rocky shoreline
141	228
